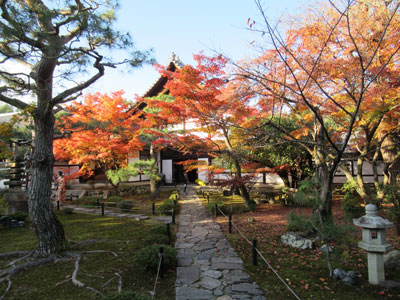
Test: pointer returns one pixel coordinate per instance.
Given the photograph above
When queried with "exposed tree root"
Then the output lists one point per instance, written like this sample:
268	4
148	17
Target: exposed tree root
86	242
28	265
7	289
62	282
75	273
5	275
14	253
20	259
78	283
108	281
25	261
119	282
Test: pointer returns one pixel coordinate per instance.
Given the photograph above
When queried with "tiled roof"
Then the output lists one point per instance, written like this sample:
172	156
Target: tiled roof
174	60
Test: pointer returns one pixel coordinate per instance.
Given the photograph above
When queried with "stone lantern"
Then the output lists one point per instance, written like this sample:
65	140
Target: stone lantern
374	242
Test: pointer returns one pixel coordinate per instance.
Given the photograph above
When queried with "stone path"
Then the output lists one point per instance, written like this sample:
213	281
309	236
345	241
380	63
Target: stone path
208	267
110	213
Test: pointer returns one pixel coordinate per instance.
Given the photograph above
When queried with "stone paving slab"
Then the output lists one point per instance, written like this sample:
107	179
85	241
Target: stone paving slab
208	267
109	213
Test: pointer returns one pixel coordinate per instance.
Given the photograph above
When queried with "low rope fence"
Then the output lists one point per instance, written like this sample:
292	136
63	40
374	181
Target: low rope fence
159	269
255	250
103	207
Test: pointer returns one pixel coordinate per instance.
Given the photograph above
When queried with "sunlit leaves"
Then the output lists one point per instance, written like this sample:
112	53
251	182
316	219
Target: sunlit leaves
103	131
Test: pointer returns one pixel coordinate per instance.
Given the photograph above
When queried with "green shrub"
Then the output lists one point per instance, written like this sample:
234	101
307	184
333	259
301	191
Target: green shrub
127	295
174	196
114	200
3	206
166	207
298	223
307	194
156	239
19	216
200	182
351	206
125	205
148	257
88	200
228	208
127	190
158	229
67	210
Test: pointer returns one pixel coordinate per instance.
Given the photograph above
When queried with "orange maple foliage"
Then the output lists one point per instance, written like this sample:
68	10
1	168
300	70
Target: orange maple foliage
335	71
209	105
104	132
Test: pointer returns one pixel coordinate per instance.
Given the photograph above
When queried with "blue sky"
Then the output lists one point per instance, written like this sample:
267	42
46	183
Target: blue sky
185	27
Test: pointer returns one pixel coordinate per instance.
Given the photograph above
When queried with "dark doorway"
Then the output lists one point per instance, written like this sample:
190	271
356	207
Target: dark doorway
178	173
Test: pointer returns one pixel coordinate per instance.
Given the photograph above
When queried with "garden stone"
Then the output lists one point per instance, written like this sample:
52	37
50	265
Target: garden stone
210	283
236	276
213	274
184	262
323	249
233	260
218	292
225	297
390	284
188	293
259	298
187	275
295	240
392	260
349	278
226	266
338	274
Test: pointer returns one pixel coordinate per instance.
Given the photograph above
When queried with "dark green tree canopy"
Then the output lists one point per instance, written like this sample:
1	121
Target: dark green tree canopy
59	38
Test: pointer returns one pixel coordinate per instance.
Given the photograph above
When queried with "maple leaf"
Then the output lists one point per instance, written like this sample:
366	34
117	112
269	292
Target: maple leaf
101	130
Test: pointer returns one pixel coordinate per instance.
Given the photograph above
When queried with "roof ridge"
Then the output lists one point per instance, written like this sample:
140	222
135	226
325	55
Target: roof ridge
173	59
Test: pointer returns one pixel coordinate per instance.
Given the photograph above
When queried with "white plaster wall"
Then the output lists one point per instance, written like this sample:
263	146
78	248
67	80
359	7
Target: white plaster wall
167	170
367	172
203	172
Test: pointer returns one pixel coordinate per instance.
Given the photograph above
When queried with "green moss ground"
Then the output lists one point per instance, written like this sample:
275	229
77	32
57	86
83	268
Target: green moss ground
122	236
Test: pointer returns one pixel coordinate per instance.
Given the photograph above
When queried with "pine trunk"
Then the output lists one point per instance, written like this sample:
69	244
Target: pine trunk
49	230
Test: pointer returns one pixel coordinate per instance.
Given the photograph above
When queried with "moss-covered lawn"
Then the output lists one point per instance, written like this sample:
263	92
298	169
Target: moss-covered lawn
141	203
122	236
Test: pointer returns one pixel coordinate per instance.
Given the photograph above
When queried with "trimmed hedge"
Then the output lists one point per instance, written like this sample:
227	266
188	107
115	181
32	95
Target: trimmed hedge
200	182
127	295
67	210
19	216
127	190
174	196
166	207
88	200
156	239
125	205
158	229
148	257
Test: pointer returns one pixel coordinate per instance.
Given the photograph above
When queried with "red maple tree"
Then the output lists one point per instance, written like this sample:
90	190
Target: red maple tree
100	133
